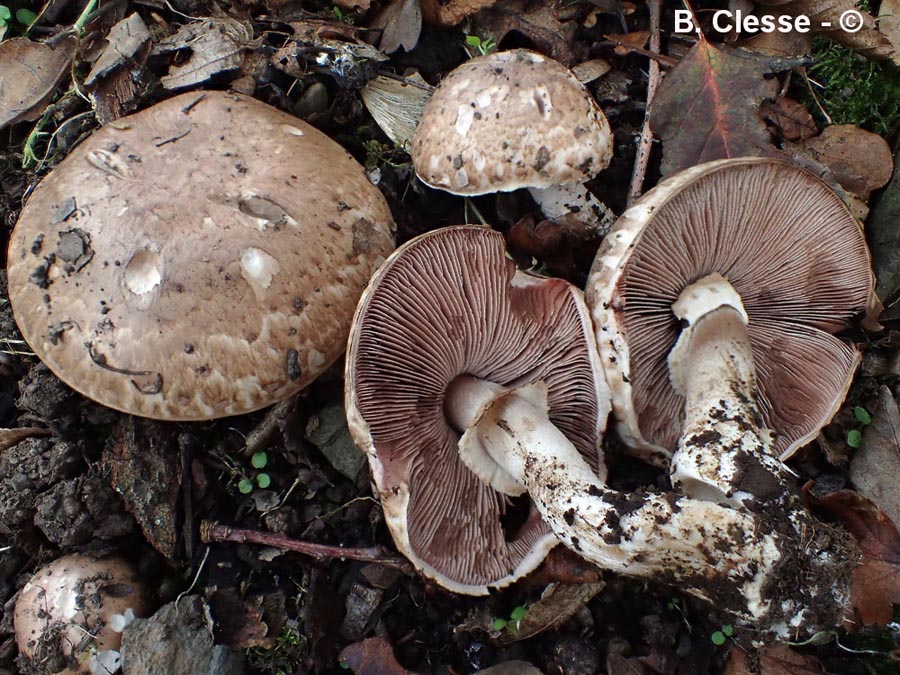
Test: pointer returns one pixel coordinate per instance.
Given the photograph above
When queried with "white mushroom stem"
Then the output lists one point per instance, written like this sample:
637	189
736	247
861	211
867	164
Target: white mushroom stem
575	200
725	454
727	556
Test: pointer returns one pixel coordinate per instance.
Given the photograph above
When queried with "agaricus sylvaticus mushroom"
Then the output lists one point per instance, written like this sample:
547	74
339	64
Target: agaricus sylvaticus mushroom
449	367
448	305
512	120
70	615
198	259
770	255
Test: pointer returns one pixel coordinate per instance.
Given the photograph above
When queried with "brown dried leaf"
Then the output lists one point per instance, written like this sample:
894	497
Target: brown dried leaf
875	585
791	118
889	21
144	468
374	656
707	108
858	159
538	22
216	44
825	19
557	604
124	40
396	106
450	13
400	24
31	71
778	659
11	437
876	464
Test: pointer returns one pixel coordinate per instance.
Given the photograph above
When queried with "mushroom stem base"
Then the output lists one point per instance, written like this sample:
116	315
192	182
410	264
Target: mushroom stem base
731	557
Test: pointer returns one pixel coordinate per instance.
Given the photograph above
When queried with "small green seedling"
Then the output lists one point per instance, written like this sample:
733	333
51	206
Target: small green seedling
863	418
513	622
484	47
245	485
720	637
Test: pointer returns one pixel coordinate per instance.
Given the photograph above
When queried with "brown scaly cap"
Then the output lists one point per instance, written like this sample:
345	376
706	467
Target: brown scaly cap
446	304
785	242
199	259
507	121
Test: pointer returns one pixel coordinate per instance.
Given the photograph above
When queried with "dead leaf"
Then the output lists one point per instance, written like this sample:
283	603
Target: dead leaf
511	668
31	71
450	13
396	105
593	69
781	45
538	22
889	21
791	118
124	40
825	19
11	437
557	604
400	24
884	240
251	620
144	468
777	659
374	656
875	585
707	108
858	159
217	45
627	41
876	465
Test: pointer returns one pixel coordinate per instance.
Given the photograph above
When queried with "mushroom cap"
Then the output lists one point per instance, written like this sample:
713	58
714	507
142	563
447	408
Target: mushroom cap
71	597
198	259
788	245
510	120
450	303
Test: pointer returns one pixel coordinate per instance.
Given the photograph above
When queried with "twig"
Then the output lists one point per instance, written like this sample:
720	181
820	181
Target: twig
211	531
645	142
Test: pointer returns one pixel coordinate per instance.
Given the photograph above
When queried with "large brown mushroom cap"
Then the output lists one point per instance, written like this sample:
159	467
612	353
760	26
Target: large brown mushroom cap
785	242
510	120
446	304
198	259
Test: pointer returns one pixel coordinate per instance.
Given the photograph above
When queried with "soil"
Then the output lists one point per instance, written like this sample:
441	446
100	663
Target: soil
89	479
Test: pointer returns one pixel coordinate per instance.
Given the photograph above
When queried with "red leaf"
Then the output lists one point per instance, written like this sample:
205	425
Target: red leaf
875	585
373	657
707	108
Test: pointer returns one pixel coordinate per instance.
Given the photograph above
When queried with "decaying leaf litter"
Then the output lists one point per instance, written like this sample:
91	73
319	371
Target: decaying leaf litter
79	477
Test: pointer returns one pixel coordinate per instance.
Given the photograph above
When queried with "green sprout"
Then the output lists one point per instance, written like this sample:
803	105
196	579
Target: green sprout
863	418
720	637
513	622
483	46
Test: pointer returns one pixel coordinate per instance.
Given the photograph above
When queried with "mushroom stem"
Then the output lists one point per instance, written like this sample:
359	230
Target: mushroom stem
725	454
728	556
575	200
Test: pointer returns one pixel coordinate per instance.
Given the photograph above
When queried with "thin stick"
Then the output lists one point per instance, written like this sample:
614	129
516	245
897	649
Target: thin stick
645	142
211	531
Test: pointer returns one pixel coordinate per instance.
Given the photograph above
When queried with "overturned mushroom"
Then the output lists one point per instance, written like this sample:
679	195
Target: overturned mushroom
776	261
513	120
70	615
176	266
430	362
450	306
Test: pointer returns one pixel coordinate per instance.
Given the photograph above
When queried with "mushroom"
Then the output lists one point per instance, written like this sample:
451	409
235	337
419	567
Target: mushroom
70	615
176	266
447	305
432	388
512	120
767	253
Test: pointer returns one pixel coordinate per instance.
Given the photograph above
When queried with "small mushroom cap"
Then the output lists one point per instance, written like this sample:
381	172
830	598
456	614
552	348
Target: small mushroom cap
788	245
70	598
510	120
450	303
198	259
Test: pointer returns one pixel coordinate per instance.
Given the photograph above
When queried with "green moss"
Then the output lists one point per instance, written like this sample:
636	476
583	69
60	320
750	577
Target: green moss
856	90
